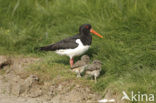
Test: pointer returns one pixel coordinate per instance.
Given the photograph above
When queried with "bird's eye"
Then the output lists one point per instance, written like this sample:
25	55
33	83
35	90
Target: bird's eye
86	27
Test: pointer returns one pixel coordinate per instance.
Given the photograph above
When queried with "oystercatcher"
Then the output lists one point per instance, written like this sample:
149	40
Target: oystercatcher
94	69
80	66
74	46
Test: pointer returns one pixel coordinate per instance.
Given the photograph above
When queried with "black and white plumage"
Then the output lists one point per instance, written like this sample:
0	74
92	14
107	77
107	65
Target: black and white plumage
73	46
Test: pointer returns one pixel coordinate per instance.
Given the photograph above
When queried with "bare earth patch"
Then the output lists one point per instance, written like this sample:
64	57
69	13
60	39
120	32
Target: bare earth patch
16	86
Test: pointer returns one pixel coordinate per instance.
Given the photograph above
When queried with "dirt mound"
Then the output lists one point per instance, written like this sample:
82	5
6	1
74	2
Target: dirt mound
16	86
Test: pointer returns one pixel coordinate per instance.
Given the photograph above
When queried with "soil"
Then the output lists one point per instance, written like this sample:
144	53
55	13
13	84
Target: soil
16	86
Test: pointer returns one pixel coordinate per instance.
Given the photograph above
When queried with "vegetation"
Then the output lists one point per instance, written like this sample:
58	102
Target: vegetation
128	50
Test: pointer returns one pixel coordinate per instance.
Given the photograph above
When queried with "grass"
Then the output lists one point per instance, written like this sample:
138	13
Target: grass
127	51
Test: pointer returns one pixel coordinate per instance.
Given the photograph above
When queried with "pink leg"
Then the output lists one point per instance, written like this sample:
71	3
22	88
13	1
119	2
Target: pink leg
71	62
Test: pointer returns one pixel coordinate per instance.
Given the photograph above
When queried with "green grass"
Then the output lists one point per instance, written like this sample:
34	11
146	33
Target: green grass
127	51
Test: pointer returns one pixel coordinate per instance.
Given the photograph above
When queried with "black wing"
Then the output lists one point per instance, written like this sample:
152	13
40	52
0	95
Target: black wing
68	43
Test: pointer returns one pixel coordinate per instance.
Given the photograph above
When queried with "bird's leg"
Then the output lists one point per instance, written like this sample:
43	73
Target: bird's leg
95	78
78	75
71	62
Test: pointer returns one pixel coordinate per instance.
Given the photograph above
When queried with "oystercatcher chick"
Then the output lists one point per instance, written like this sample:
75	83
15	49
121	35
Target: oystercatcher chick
80	65
94	69
74	46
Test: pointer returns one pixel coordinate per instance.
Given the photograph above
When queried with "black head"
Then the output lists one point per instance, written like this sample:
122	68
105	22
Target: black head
85	28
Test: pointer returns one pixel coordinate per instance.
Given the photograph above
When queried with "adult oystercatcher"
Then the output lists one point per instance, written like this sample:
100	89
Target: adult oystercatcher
74	46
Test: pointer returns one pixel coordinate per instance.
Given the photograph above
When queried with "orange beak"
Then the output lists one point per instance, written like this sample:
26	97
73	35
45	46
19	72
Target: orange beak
94	32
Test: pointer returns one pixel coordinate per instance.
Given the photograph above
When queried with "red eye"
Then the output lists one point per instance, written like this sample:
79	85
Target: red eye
86	27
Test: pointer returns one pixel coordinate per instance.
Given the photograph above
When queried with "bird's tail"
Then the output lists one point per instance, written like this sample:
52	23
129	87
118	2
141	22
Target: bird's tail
45	48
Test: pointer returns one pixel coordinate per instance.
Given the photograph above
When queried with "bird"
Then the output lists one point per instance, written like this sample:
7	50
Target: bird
84	60
94	69
75	45
80	65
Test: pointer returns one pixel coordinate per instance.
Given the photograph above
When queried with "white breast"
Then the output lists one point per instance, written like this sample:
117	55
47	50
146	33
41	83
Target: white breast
74	52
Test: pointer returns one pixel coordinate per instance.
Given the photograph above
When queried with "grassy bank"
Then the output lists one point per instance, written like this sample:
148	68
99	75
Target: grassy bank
127	51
